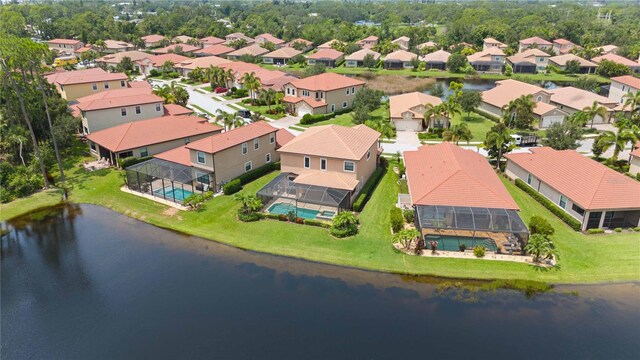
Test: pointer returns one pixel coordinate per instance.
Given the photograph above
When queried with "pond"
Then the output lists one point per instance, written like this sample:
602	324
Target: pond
483	85
83	282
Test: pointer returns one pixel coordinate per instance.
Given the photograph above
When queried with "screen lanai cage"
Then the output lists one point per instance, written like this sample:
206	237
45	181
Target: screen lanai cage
284	189
452	226
167	180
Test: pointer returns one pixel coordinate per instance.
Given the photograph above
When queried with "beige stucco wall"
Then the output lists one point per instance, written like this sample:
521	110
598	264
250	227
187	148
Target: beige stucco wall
634	165
334	97
617	91
160	147
103	119
72	92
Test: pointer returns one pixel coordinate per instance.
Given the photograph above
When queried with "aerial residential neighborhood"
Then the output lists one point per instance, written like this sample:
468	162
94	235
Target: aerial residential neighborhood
491	142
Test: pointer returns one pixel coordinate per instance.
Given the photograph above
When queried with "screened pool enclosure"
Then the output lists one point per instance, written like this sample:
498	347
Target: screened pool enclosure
167	180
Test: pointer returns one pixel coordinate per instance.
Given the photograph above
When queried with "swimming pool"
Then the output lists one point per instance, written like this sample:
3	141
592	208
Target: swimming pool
283	208
452	243
178	193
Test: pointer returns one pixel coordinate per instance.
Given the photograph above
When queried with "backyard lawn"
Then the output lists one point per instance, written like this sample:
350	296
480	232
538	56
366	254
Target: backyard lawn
36	201
263	110
478	124
379	114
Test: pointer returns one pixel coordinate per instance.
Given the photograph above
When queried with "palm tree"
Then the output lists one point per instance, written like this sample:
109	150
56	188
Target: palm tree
519	111
385	128
619	139
595	110
458	132
632	100
229	120
497	138
165	93
252	83
540	247
181	95
167	66
229	77
196	74
267	96
430	112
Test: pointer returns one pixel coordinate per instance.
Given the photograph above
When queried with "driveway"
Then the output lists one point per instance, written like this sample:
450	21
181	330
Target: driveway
405	141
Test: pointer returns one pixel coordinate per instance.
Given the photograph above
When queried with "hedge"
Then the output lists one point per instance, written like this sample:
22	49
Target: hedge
309	119
397	220
258	173
555	209
129	161
232	187
487	115
368	189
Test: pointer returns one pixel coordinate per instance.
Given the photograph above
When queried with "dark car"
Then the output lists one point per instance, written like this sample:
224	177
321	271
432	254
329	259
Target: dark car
245	114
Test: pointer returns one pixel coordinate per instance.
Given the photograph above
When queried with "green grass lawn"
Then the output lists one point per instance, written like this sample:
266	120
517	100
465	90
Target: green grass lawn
263	110
202	110
30	203
583	258
379	114
478	124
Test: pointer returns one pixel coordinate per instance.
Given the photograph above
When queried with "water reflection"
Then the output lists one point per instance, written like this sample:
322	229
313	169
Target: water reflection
85	282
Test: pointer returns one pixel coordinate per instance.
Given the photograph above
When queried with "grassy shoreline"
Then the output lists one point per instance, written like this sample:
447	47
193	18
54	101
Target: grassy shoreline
583	258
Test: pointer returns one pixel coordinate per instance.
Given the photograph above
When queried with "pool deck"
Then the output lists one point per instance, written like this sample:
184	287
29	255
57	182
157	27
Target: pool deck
301	205
124	188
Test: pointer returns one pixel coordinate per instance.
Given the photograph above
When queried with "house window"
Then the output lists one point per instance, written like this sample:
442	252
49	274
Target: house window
368	154
122	83
272	138
201	158
202	178
348	91
125	154
93	145
562	202
577	209
349	166
256	144
106	85
94	86
323	164
187	140
138	109
305	92
158	107
344	104
541	59
247	166
333	107
353	89
497	58
123	111
144	152
288	91
529	179
307	162
267	157
245	148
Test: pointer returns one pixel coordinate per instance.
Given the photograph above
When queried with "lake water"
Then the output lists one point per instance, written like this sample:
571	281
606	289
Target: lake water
87	283
482	85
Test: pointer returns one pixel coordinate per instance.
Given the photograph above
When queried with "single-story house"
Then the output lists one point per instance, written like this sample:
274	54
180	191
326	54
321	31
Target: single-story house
328	44
238	36
211	41
115	46
529	61
155	62
214	50
151	41
571	100
458	199
594	194
534	42
399	59
251	50
491	42
560	61
490	60
402	42
355	59
368	42
113	60
327	57
436	60
563	46
182	39
406	112
185	67
621	86
185	48
607	49
320	94
280	56
308	45
324	168
634	66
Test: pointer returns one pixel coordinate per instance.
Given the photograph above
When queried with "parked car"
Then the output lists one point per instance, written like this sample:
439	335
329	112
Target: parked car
221	89
525	140
245	114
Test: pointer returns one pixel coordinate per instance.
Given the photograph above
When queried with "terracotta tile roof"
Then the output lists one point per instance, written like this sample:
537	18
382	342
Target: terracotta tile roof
607	48
636	150
528	55
240	68
402	38
616	59
333	141
217	50
543	108
578	99
85	49
141	133
175	109
179	155
283	53
563	42
328	44
283	136
84	76
360	54
254	50
186	48
535	40
306	42
311	101
159	60
628	80
64	41
440	56
369	38
586	182
115	44
116	98
400	55
234	137
239	35
563	59
268	78
331	179
485	55
134	55
428	44
326	82
507	90
399	104
446	174
140	84
278	83
330	54
203	62
270	38
491	40
211	40
152	38
182	39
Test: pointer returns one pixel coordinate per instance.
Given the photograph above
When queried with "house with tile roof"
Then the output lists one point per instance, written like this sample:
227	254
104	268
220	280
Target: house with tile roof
116	46
356	59
589	191
529	61
563	46
185	67
303	44
634	160
228	39
268	38
327	57
155	62
488	61
78	83
66	47
427	45
571	100
402	42
399	59
252	50
113	60
181	39
560	61
634	66
211	40
280	56
152	41
173	48
320	94
436	60
406	112
368	42
607	49
149	137
534	42
214	50
332	159
328	44
621	86
458	198
491	42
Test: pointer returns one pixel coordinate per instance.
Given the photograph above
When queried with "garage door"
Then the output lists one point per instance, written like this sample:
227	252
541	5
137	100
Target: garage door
549	120
303	110
408	125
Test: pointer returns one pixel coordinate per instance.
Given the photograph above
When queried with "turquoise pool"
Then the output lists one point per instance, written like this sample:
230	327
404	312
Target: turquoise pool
282	208
178	193
452	243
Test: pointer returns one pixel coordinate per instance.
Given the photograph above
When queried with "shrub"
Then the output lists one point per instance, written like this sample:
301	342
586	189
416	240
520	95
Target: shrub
257	173
409	216
317	223
232	187
462	247
479	251
344	224
540	225
128	161
254	216
617	229
283	217
195	201
568	219
397	221
299	220
401	169
595	231
340	233
154	73
272	216
291	216
367	189
636	228
250	207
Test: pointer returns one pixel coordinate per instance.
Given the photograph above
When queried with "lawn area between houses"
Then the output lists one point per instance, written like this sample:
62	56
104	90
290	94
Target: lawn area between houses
478	124
263	110
346	119
583	258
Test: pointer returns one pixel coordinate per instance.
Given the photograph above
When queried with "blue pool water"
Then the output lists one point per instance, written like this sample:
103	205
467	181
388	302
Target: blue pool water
282	208
178	193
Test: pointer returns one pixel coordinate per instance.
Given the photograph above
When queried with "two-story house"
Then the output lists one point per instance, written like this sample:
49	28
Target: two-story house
268	38
402	42
491	42
152	41
65	46
563	46
368	42
74	84
534	42
489	61
621	86
238	36
320	94
529	61
406	112
118	106
115	46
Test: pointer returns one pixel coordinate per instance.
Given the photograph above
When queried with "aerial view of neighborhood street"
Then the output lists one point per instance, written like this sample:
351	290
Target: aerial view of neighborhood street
320	179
